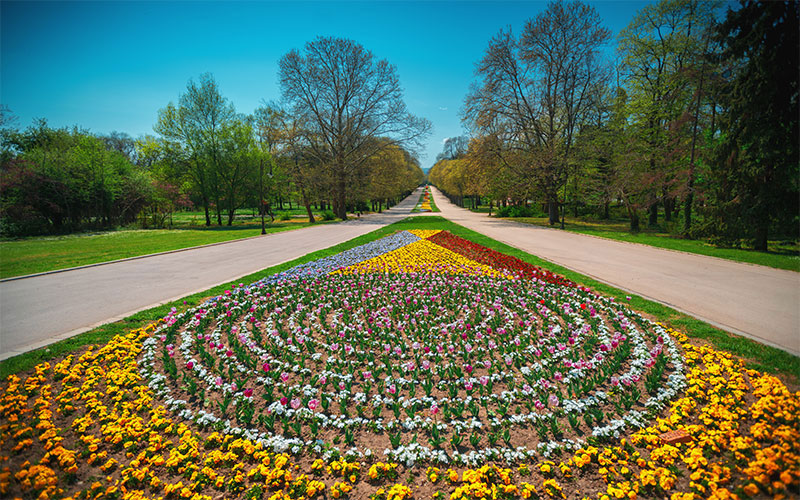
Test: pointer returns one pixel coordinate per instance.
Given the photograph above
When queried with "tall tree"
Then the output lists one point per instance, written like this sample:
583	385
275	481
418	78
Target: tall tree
757	167
534	92
658	47
195	127
348	98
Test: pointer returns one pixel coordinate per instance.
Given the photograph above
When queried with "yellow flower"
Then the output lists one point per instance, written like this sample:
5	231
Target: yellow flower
751	489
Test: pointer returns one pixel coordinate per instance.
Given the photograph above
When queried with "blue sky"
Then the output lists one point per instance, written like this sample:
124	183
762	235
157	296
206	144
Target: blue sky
111	65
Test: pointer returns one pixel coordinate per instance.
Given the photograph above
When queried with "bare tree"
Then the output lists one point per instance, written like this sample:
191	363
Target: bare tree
534	92
454	148
347	98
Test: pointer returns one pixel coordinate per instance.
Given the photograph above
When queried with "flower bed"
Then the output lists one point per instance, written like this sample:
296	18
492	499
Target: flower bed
424	203
418	364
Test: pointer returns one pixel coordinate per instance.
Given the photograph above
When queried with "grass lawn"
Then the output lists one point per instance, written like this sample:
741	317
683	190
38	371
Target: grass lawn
35	255
781	255
757	356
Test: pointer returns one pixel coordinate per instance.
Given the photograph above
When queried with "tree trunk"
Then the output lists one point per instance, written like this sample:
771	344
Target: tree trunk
762	231
668	204
635	228
652	220
606	214
208	215
687	206
307	204
552	211
341	186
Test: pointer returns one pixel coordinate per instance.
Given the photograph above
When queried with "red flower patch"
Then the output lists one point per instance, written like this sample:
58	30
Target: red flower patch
497	260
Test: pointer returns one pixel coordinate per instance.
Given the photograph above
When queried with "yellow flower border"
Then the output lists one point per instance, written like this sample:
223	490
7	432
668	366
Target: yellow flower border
134	447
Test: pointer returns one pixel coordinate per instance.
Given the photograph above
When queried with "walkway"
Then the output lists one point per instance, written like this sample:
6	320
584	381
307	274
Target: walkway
40	310
750	300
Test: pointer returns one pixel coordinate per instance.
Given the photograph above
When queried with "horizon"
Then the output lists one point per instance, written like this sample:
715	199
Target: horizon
110	66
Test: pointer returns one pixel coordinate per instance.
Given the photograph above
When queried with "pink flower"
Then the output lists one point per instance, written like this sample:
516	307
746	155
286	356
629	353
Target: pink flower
313	404
248	393
484	380
392	389
434	409
468	385
552	400
539	405
296	403
284	376
284	401
323	380
190	365
229	353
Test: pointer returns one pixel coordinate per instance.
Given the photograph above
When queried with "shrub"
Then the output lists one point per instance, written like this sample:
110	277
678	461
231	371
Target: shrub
285	216
518	211
328	215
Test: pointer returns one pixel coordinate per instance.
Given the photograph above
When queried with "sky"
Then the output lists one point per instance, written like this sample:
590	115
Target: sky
111	65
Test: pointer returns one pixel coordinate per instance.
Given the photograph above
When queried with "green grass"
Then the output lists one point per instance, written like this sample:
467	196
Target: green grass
781	255
36	255
757	356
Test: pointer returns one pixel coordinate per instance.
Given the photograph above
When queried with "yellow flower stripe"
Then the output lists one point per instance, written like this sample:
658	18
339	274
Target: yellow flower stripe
421	256
424	233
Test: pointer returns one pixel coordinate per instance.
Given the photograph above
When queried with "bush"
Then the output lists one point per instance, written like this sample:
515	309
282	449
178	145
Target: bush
518	211
328	215
285	216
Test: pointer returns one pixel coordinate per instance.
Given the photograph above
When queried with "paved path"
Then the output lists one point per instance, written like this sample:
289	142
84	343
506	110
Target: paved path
750	300
40	310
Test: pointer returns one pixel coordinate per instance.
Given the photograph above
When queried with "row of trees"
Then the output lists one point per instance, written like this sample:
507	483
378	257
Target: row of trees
697	115
341	138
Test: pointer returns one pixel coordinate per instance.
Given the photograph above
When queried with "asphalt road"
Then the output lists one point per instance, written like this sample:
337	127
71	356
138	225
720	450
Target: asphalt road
750	300
40	310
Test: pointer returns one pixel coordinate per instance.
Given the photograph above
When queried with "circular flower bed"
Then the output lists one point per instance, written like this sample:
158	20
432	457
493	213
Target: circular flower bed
442	360
416	365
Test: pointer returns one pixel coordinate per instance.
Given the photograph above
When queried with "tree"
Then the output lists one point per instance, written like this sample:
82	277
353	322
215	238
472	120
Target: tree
453	148
193	130
239	159
756	162
535	91
347	98
659	48
58	180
